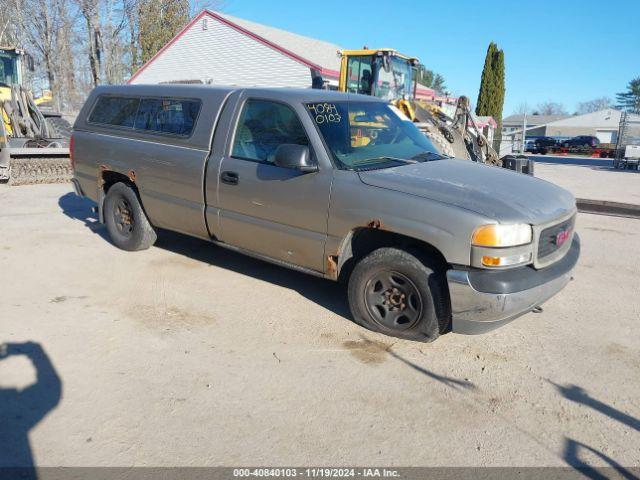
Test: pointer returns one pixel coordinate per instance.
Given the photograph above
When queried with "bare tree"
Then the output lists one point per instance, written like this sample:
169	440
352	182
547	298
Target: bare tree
551	108
594	105
114	41
78	44
198	5
42	31
130	8
11	23
91	13
523	109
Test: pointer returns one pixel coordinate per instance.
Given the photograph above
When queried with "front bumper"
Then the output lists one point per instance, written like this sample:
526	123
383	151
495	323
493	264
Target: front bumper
483	300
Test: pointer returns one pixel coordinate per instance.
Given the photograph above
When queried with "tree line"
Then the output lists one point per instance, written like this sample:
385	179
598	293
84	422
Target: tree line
79	44
628	100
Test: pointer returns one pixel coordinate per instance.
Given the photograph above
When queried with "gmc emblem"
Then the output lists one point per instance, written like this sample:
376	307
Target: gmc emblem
562	236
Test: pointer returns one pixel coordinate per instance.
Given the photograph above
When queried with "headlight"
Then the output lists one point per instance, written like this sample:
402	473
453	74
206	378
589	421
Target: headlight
506	261
502	235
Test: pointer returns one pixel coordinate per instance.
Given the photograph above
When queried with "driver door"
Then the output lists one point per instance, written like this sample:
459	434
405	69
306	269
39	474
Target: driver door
277	212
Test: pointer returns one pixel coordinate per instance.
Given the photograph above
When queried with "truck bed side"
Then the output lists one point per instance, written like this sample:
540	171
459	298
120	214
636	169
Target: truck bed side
167	170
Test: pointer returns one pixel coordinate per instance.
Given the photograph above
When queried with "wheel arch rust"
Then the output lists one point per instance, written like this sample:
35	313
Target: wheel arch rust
362	240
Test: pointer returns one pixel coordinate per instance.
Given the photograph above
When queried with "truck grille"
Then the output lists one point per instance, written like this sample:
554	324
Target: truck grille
553	238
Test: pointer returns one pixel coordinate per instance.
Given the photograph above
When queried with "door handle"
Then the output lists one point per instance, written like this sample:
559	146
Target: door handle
230	178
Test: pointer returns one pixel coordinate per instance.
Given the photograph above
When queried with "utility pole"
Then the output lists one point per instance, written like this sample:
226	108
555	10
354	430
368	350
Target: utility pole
524	133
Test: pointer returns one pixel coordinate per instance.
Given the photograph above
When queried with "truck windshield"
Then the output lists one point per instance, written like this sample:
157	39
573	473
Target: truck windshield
370	135
395	82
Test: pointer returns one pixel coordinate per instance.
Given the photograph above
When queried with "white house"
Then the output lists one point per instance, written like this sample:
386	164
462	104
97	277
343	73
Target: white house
220	49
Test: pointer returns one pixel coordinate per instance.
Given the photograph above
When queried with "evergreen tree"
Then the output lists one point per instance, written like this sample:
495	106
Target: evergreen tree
630	100
492	89
430	79
159	21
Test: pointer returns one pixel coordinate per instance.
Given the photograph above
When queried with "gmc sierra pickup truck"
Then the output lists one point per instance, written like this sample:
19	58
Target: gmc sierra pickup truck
336	185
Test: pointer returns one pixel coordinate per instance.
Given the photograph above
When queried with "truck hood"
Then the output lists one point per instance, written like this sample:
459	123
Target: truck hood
497	193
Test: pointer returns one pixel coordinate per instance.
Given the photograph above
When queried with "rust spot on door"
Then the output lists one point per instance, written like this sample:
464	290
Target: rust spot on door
376	223
332	263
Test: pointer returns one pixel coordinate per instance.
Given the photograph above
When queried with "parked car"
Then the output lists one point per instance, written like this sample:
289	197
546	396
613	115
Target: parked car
341	187
543	144
530	146
585	141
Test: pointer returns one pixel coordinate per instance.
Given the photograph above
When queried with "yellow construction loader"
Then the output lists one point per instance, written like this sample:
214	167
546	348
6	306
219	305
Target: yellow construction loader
390	75
34	140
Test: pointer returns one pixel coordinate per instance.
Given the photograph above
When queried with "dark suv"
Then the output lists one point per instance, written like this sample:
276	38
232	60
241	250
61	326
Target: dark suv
543	144
587	141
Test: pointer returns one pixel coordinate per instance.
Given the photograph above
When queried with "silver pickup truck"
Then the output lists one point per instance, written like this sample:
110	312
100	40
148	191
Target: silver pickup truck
339	186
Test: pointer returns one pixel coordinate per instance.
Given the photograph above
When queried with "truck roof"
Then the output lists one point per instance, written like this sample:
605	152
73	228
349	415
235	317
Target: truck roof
189	90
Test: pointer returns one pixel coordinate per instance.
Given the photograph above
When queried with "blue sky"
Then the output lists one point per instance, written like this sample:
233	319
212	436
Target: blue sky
566	51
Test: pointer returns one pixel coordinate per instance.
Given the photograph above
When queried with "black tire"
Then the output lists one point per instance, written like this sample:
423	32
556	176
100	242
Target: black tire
422	314
127	224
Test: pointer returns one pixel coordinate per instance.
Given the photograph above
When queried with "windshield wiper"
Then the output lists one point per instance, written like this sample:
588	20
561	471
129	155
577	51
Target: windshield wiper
375	164
429	155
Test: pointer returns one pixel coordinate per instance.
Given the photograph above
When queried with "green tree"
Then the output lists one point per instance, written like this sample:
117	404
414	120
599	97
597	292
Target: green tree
492	89
430	79
158	22
630	100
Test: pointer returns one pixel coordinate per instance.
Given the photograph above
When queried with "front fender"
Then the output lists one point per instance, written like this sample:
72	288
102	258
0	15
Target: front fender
356	205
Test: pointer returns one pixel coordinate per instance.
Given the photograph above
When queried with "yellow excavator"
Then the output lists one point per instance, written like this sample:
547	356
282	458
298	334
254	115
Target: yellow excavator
390	75
34	139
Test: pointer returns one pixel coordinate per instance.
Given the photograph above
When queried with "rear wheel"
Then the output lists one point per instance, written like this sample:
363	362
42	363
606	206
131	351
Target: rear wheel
392	292
128	225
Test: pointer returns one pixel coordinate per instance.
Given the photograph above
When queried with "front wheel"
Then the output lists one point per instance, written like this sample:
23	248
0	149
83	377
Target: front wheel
392	292
127	224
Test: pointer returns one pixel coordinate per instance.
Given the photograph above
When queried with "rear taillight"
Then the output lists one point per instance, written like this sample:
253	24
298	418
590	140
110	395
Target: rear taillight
73	163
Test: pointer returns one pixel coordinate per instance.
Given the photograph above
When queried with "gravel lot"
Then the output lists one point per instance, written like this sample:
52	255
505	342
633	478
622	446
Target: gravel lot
591	178
187	354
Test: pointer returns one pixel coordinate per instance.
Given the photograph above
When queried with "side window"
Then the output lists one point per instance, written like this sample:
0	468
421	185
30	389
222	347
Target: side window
116	111
264	126
359	75
172	116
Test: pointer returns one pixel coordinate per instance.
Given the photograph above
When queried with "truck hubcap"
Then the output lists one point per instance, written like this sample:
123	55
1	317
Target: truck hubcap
393	301
123	217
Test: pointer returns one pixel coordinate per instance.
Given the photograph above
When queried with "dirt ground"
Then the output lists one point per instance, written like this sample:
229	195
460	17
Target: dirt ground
190	355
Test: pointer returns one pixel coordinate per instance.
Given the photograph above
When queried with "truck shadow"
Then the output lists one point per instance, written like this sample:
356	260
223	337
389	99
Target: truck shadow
325	293
22	409
79	208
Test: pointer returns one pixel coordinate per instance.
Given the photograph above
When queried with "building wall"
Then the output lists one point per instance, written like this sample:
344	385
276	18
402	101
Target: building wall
512	127
536	132
210	50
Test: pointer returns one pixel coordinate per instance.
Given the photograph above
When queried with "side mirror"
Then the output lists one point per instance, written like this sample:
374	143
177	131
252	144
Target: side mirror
297	157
